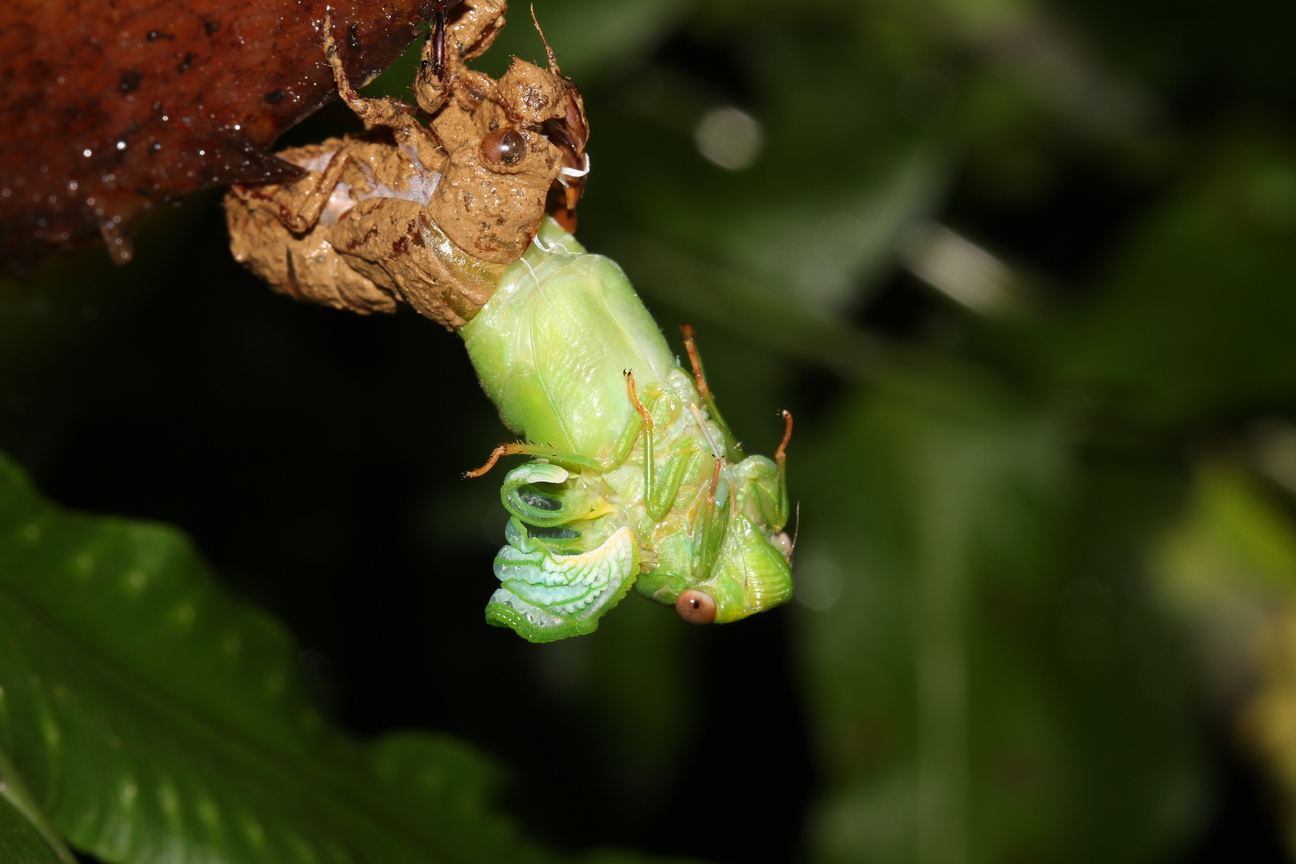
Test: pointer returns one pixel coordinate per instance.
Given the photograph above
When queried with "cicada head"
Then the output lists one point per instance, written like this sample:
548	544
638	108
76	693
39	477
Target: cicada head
720	554
750	575
739	562
753	570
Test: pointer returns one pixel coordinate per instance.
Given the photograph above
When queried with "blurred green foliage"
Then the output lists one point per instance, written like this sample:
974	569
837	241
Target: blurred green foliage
1023	273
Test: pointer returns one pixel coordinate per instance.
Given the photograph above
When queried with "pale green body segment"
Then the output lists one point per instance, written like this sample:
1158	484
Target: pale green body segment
612	501
552	344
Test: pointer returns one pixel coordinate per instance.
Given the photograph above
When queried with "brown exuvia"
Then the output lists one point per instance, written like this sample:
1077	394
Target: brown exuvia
426	214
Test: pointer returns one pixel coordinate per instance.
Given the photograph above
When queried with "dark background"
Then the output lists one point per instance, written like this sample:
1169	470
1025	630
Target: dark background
1017	635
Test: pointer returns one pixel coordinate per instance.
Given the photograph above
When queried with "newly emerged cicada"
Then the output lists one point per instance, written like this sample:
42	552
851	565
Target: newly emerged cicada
637	480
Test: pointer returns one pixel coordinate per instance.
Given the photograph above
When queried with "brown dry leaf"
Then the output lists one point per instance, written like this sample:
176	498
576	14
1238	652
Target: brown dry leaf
113	108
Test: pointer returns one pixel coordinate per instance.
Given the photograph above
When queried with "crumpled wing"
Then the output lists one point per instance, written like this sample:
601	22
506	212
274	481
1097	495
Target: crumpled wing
544	597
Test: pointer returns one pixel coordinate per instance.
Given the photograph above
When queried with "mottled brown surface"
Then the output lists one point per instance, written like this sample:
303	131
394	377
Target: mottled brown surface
113	106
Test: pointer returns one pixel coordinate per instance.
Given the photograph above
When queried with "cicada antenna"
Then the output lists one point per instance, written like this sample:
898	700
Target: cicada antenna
553	61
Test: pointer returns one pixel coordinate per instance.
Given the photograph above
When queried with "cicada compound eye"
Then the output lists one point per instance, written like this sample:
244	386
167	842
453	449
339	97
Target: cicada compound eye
695	607
504	147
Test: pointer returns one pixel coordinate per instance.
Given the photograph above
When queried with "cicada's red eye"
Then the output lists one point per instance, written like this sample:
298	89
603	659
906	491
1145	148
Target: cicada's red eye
695	607
504	146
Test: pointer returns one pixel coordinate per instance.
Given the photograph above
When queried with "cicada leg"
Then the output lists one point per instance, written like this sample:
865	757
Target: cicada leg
388	113
647	429
763	489
658	495
659	491
540	451
301	219
449	46
783	510
679	464
714	522
640	422
475	28
704	390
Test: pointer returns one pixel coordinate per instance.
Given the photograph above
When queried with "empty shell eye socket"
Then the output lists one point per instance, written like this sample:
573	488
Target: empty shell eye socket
696	607
504	146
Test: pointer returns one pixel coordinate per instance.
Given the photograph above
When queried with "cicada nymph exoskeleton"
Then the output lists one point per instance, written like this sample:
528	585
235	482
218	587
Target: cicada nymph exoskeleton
436	198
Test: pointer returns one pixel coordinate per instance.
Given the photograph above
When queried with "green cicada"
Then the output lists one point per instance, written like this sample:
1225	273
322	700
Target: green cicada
636	479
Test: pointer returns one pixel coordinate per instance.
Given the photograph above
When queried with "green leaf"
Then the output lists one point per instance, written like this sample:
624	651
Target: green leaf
968	678
1233	549
26	836
1227	567
711	204
1194	315
156	719
20	841
591	40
